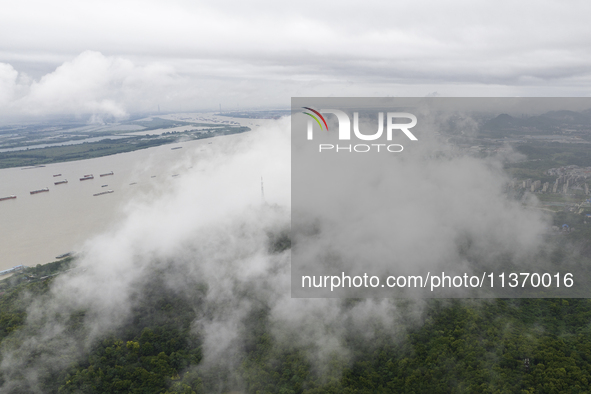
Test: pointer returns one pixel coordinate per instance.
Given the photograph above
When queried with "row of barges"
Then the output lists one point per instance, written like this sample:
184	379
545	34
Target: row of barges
64	181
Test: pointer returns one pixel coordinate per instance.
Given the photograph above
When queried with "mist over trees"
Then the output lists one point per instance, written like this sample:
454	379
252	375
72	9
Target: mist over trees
449	346
190	293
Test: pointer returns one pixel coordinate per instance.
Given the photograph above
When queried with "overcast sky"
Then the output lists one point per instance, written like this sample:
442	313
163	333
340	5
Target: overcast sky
119	57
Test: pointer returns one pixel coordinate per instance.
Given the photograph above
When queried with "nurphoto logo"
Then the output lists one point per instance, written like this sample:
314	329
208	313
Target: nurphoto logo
344	130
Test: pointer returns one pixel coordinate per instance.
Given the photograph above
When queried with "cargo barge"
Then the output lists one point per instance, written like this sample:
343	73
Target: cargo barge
178	147
30	168
101	193
57	175
108	173
87	177
13	269
11	197
45	189
61	182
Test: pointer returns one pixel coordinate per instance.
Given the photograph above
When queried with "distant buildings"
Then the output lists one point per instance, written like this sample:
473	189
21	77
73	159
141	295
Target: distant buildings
568	180
571	177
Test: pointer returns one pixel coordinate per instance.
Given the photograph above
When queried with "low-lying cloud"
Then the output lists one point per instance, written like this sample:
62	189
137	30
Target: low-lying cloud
212	228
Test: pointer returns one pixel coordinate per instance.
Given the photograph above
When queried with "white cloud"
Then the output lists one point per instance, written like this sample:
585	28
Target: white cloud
89	84
8	77
210	227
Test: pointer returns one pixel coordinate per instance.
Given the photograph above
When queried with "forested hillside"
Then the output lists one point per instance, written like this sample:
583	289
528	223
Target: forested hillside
459	346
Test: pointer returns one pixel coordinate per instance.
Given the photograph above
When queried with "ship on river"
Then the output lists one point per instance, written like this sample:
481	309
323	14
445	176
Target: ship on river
45	189
13	269
11	197
108	173
87	177
101	193
61	182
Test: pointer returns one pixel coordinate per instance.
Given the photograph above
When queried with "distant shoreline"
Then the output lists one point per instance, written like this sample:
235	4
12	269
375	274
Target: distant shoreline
105	147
